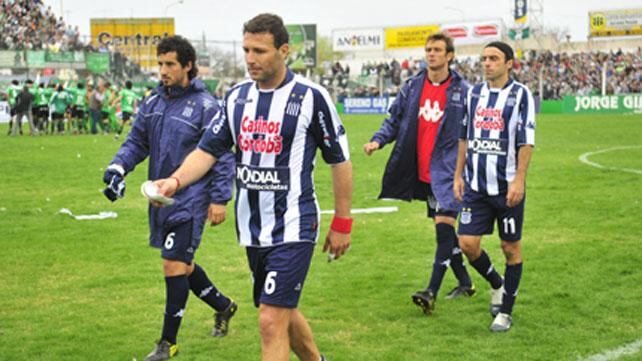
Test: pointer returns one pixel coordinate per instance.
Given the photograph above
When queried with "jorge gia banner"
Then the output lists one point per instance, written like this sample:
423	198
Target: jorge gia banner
629	103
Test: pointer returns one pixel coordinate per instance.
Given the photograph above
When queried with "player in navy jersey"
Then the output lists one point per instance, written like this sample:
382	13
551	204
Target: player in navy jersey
276	121
496	143
424	123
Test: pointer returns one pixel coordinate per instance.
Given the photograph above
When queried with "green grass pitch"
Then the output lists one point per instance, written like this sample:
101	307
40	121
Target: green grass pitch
93	290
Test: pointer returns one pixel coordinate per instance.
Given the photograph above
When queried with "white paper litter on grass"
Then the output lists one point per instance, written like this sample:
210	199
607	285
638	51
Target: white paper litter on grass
368	210
84	217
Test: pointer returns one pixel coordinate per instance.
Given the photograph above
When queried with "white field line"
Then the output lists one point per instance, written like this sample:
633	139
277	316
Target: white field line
584	159
368	210
614	354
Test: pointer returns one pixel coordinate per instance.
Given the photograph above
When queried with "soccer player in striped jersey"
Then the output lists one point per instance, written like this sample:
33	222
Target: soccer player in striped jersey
276	122
496	142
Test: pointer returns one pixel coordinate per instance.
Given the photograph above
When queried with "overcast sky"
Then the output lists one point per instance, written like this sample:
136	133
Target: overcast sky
223	19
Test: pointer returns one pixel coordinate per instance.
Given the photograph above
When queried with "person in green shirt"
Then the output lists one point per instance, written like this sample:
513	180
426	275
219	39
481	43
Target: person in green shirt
41	107
78	104
128	102
12	92
58	103
108	97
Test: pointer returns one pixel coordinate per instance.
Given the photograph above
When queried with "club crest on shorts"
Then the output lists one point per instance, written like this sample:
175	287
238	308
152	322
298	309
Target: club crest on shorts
466	216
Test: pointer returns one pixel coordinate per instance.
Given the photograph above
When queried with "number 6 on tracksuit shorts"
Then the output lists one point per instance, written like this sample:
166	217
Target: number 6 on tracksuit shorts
178	242
279	272
479	211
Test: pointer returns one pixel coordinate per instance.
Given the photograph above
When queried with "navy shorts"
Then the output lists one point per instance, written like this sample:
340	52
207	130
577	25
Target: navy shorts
479	212
43	111
434	208
78	112
177	243
126	116
279	272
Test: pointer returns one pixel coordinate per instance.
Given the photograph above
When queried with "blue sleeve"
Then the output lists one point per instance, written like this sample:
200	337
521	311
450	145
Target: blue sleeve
463	129
223	171
217	139
526	120
390	126
221	186
327	129
136	147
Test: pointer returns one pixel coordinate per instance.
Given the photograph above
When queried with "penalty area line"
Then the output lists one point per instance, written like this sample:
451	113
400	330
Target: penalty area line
584	158
614	354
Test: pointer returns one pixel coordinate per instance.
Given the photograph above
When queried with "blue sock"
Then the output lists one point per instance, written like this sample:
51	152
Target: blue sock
442	256
177	288
205	289
457	261
485	268
511	283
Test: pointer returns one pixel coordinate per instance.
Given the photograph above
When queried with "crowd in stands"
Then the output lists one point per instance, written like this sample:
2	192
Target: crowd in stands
30	25
561	73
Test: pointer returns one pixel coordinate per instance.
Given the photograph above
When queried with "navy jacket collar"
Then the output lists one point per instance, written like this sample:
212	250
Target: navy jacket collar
173	92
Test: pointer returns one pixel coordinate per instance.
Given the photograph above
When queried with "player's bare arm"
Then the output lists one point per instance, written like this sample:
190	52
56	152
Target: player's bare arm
194	167
458	181
517	186
337	243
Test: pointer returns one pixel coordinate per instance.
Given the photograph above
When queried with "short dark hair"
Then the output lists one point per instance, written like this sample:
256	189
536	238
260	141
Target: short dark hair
185	52
504	48
450	44
128	84
268	23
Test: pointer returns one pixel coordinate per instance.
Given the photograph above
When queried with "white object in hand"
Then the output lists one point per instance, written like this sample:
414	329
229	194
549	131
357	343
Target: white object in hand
150	191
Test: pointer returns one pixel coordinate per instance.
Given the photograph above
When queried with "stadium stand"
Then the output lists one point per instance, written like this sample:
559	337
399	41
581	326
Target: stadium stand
30	25
560	73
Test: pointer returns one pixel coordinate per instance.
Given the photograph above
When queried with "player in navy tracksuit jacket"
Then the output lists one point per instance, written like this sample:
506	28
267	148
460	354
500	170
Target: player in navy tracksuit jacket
401	179
168	126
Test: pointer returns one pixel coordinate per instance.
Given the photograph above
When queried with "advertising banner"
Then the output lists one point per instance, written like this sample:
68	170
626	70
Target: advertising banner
367	105
521	13
621	104
409	36
97	63
615	23
357	39
474	32
37	59
137	38
4	112
12	59
303	46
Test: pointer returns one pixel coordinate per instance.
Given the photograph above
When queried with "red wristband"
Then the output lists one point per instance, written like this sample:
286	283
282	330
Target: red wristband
178	183
341	225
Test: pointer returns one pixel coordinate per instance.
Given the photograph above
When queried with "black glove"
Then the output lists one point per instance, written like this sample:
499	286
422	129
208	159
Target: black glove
115	179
